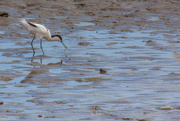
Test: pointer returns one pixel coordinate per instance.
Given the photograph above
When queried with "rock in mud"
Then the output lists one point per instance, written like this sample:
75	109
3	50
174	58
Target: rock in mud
39	115
4	14
5	78
103	71
84	43
95	108
142	120
166	108
1	103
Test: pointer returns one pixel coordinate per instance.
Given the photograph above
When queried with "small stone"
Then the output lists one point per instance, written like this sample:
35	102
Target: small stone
1	103
5	78
79	80
103	71
166	108
95	108
4	14
142	120
59	102
178	108
84	43
149	41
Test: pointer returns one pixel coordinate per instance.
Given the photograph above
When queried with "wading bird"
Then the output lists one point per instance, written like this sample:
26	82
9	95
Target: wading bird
40	31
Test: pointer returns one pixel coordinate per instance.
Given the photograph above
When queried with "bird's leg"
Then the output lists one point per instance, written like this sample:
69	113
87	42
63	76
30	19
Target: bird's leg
32	45
32	57
41	46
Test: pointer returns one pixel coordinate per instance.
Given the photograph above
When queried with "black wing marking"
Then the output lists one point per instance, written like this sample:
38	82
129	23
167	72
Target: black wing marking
31	24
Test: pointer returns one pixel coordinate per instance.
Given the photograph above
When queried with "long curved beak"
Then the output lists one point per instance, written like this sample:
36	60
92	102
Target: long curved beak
64	45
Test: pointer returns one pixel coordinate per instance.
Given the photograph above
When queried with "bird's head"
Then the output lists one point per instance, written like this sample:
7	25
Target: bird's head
58	38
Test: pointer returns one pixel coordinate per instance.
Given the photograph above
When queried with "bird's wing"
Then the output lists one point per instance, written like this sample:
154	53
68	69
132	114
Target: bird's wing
39	26
36	29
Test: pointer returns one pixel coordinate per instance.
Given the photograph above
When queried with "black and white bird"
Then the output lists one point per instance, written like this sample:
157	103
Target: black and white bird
40	31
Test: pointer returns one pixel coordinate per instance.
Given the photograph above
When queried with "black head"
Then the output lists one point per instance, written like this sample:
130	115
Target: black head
60	39
57	36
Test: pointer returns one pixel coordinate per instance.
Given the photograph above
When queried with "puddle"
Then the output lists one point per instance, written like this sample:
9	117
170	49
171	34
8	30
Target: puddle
85	24
128	60
2	32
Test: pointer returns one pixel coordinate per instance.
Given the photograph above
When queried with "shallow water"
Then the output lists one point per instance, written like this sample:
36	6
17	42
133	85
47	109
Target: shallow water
142	75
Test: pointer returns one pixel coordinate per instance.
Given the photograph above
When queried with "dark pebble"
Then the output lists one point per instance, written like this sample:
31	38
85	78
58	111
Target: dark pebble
103	71
4	14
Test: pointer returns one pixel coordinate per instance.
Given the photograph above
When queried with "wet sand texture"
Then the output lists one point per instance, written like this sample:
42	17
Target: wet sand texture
122	61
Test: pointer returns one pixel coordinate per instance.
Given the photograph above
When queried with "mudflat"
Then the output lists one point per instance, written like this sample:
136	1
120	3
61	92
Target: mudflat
122	61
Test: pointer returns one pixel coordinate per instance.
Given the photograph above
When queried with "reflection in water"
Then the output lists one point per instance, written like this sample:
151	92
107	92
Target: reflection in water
33	57
41	57
39	70
53	64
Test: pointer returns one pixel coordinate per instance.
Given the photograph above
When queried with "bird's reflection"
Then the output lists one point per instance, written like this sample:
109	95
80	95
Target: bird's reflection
34	57
40	63
37	61
44	56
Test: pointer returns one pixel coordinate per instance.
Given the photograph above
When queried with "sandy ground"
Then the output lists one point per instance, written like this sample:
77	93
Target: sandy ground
122	61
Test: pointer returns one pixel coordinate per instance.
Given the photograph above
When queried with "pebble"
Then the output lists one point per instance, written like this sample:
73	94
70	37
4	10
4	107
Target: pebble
1	103
166	108
4	14
103	71
84	43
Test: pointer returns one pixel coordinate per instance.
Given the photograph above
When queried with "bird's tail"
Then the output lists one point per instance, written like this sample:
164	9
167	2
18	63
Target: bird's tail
25	24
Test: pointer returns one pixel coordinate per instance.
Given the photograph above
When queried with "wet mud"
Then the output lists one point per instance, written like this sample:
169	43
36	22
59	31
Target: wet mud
122	61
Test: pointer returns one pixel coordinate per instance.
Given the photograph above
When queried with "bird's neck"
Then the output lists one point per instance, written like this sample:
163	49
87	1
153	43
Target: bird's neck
53	39
49	38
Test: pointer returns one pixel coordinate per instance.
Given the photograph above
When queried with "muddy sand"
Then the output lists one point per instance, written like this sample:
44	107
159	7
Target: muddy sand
122	61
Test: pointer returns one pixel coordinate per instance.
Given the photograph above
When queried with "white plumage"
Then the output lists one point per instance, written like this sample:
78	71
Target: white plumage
40	31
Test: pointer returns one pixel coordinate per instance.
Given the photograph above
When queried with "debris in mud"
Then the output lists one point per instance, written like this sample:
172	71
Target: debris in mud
95	108
103	71
35	101
1	103
166	108
4	14
5	78
84	43
142	120
59	102
177	42
94	79
79	80
39	115
178	108
150	42
50	117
